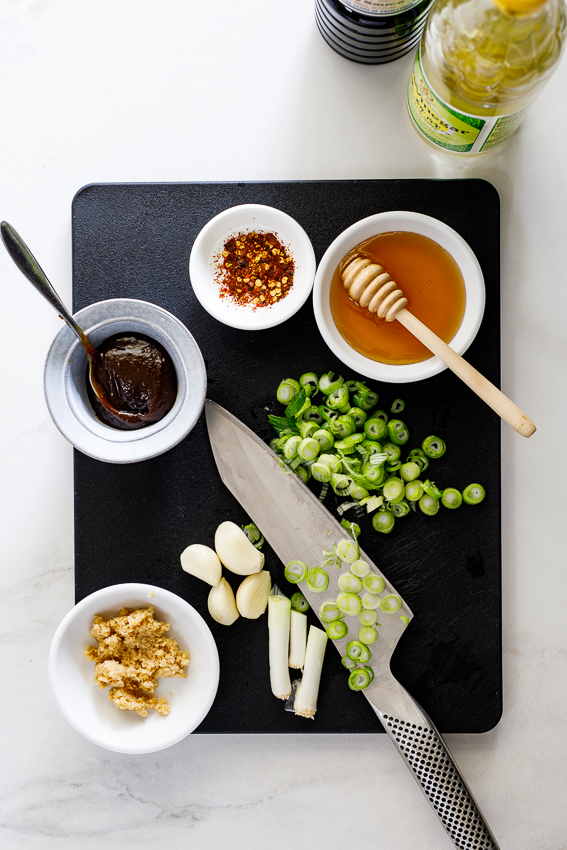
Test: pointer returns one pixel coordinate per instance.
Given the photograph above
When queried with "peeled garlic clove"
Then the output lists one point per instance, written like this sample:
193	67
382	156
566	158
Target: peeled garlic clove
222	605
235	550
202	562
252	595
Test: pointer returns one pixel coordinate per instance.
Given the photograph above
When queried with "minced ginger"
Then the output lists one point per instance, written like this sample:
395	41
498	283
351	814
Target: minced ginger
131	655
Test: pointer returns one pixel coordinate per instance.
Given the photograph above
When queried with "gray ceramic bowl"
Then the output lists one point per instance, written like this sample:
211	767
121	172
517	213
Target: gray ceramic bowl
65	384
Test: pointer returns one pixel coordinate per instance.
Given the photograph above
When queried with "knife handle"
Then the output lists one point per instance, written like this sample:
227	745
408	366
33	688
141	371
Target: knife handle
435	771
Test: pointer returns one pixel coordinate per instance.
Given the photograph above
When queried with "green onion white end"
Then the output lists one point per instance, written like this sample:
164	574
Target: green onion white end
279	618
306	697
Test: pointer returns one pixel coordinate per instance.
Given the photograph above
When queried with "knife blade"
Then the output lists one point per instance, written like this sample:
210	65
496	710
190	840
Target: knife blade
298	526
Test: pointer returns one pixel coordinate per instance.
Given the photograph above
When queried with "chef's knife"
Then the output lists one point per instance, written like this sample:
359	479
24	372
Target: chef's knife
297	526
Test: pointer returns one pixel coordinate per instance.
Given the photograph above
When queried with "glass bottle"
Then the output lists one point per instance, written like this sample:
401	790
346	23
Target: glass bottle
371	31
479	65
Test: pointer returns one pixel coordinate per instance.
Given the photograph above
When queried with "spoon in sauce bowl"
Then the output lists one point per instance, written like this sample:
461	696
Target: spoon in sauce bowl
370	286
151	394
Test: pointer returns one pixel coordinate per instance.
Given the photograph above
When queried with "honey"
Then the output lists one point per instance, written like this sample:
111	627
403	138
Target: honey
430	279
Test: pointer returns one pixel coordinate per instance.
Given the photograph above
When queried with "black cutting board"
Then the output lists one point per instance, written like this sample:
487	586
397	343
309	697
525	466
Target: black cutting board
133	521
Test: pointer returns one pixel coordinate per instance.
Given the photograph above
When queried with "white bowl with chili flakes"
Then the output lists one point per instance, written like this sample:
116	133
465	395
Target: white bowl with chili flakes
252	267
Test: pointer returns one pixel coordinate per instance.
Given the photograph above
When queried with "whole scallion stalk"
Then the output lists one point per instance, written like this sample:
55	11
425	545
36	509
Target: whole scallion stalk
306	696
279	617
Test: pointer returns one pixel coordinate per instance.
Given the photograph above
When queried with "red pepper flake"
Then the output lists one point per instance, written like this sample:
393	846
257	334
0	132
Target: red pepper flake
255	269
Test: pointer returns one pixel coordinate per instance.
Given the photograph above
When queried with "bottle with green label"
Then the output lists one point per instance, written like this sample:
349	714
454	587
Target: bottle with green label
479	65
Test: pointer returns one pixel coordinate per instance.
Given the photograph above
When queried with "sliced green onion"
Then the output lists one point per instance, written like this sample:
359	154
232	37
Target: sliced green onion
393	490
297	640
451	498
393	466
374	473
392	450
358	651
337	630
279	618
400	508
306	697
414	490
474	494
306	428
429	505
409	471
338	399
343	425
431	489
390	604
317	579
321	472
348	662
290	447
308	449
397	405
333	462
368	617
329	611
358	492
383	521
309	379
373	583
405	620
254	535
360	678
328	383
360	416
325	439
295	572
373	503
398	432
299	602
364	398
350	582
312	414
349	603
419	458
303	472
433	447
348	551
340	483
360	568
349	444
368	635
287	390
370	601
375	428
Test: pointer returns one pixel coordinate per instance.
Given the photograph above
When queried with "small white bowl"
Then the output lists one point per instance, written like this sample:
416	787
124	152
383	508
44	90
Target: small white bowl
203	265
87	707
388	222
66	388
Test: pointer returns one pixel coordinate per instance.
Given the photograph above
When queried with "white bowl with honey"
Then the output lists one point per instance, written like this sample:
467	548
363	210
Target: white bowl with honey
439	275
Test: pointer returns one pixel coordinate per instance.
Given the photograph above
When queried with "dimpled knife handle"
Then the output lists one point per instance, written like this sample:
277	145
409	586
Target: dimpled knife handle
434	769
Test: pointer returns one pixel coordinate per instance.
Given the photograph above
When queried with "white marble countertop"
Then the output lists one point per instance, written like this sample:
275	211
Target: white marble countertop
185	90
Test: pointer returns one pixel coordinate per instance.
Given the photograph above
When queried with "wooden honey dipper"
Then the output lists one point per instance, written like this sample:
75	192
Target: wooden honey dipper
372	287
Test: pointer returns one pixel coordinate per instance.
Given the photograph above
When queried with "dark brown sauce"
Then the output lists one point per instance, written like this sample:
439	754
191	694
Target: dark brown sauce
139	379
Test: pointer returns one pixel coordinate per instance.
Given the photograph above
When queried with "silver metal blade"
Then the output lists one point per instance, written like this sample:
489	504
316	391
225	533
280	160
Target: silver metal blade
293	520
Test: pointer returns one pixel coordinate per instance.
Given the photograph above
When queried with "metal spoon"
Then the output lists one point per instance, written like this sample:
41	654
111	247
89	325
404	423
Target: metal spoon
28	265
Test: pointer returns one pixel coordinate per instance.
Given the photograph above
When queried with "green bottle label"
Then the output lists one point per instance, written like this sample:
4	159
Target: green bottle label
451	129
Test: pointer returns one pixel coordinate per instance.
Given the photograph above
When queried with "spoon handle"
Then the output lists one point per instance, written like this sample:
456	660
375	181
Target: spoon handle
29	266
501	404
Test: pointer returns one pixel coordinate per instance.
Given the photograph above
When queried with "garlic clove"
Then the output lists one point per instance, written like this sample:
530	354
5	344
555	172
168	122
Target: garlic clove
235	550
252	595
221	603
202	562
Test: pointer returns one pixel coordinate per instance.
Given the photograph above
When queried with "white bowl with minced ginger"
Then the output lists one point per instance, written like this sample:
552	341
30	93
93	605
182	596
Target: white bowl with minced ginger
135	720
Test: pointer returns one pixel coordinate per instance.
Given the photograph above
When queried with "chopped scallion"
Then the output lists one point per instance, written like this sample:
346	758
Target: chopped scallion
295	572
368	635
317	579
350	582
360	678
373	583
474	494
360	568
337	630
433	447
329	611
391	603
358	651
451	498
299	602
349	603
368	617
